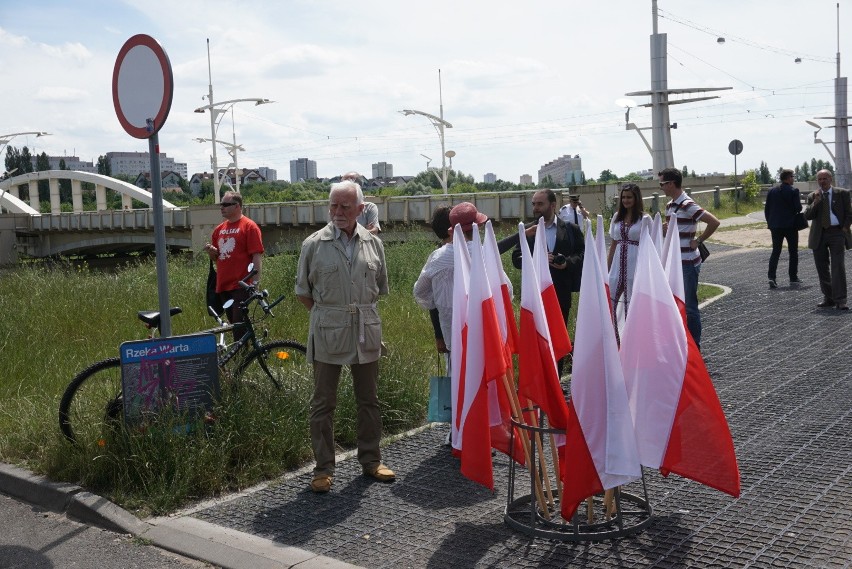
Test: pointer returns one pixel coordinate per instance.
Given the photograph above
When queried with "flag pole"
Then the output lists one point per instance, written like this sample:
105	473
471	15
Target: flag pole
515	405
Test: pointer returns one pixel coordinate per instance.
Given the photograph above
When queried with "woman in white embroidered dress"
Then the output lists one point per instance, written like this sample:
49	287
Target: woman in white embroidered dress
625	228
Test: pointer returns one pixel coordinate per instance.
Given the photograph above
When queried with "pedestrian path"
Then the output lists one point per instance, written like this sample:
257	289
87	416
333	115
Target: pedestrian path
781	370
786	398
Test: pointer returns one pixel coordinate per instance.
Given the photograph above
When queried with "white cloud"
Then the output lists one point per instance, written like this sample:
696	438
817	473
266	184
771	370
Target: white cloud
61	94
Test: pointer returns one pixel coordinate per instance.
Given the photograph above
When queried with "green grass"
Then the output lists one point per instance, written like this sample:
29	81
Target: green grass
59	321
727	206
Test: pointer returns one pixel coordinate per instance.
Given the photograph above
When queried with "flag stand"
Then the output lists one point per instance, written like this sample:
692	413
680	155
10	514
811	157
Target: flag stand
524	514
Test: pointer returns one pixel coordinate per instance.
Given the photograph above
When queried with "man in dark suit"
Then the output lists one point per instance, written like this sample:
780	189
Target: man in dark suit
782	205
565	250
830	211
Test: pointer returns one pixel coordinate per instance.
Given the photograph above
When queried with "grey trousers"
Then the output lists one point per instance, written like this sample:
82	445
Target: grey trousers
369	418
831	267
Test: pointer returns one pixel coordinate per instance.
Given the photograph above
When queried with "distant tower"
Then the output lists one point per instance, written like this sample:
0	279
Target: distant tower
382	170
302	169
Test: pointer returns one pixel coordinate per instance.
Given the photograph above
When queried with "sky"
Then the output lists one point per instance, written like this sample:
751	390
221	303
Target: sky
522	83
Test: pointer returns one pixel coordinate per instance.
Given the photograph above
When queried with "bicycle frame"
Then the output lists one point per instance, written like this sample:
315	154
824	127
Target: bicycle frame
250	335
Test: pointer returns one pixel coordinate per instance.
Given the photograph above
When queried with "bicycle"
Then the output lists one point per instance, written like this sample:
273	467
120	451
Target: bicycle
93	401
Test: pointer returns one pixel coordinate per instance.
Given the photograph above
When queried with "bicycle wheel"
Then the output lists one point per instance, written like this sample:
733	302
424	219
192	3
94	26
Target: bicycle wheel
92	403
286	361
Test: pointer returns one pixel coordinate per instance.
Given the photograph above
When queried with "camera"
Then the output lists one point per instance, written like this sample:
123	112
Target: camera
558	259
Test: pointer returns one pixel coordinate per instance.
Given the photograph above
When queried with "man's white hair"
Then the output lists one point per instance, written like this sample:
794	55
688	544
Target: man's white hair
348	186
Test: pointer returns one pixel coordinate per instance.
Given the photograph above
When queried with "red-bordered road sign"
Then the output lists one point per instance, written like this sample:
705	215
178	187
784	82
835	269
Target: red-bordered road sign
142	86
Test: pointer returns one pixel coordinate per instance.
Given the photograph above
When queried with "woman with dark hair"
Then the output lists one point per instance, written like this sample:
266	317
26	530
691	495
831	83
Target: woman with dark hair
625	228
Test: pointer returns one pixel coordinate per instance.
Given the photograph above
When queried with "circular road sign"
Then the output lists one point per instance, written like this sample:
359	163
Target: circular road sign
142	86
735	147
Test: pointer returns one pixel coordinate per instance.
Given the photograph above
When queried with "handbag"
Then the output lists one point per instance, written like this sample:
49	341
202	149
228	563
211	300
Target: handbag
800	222
703	251
440	400
212	298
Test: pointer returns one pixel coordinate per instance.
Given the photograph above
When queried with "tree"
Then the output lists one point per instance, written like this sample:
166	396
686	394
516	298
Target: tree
607	176
104	167
42	164
764	176
685	171
693	174
64	184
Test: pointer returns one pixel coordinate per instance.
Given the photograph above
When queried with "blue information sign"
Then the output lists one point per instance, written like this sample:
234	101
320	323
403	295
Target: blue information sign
178	373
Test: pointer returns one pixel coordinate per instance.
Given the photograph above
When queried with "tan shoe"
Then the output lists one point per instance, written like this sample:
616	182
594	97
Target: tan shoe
321	483
381	473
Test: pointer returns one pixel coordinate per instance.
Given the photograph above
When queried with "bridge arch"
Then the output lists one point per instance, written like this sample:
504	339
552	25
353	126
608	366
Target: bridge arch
10	200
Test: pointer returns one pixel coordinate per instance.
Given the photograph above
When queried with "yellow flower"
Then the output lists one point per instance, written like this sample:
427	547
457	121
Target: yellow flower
282	355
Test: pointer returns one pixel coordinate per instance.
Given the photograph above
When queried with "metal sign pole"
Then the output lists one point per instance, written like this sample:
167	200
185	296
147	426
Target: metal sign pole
159	236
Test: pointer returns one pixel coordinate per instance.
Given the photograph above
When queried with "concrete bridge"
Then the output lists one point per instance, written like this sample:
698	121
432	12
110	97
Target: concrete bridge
284	225
25	233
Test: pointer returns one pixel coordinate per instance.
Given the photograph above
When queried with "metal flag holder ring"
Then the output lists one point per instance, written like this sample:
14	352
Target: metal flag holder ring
538	513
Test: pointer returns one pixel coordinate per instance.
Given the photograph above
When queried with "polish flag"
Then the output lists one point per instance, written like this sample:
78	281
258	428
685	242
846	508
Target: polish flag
680	425
657	233
461	280
560	341
499	281
483	364
600	245
600	451
500	408
674	268
671	241
537	377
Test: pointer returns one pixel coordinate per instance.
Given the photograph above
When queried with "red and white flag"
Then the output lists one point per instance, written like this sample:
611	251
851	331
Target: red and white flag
560	341
657	234
461	280
674	268
537	377
483	364
670	241
501	288
680	425
499	406
600	451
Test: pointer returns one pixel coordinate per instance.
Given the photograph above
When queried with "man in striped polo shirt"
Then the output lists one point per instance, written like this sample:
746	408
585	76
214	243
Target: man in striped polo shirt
688	215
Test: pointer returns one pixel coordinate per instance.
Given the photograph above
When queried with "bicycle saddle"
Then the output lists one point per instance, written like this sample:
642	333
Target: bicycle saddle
151	318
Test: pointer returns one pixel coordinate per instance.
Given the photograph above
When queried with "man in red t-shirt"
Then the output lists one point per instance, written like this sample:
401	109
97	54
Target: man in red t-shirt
236	242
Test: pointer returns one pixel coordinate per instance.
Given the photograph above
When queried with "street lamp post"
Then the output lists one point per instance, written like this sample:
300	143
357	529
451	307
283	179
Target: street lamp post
440	124
5	139
216	112
232	151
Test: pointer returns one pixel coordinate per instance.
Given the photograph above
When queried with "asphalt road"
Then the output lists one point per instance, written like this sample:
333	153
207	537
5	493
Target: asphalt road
35	538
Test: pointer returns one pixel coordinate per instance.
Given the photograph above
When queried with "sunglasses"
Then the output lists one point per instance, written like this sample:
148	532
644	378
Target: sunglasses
227	204
664	183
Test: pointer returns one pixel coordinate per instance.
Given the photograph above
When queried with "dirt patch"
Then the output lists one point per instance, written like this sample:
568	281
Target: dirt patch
745	237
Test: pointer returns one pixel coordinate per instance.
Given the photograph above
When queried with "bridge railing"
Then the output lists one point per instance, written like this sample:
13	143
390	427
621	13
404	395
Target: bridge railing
108	220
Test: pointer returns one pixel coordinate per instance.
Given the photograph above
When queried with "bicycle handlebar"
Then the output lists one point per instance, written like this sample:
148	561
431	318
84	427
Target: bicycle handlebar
259	295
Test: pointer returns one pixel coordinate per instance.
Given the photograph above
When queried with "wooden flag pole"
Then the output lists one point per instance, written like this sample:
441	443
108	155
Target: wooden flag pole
518	416
541	458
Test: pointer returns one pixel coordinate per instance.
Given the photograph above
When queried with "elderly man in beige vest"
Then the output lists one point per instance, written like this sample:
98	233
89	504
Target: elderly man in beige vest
341	274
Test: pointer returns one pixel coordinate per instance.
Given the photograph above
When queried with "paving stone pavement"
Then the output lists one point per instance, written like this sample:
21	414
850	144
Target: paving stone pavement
782	370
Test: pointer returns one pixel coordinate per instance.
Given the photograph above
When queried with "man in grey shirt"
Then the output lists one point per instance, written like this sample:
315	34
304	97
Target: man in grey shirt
369	217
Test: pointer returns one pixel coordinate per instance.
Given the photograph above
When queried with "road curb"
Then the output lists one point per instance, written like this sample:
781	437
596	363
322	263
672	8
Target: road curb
35	489
197	539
